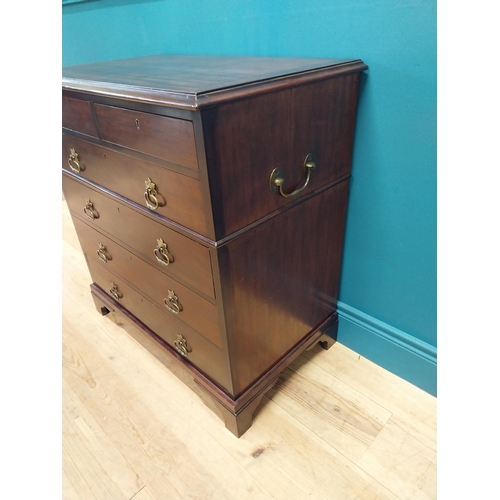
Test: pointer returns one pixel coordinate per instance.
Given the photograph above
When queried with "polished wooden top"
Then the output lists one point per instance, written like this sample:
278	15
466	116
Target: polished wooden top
193	81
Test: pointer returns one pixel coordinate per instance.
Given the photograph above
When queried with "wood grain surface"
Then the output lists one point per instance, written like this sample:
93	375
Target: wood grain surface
77	115
167	138
179	197
247	139
193	73
280	281
139	234
195	311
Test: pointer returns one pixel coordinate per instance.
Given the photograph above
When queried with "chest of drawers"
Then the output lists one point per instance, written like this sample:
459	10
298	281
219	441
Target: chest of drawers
209	195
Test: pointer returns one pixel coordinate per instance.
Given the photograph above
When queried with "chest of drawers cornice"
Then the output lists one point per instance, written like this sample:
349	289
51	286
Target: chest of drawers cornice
209	195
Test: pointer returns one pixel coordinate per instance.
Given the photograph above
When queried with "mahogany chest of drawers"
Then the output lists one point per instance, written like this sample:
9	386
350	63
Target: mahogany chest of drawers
209	195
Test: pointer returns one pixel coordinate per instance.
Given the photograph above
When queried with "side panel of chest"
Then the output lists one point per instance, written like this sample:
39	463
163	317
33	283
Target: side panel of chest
247	139
280	281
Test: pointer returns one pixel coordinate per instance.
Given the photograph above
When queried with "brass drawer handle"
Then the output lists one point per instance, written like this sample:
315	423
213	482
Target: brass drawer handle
172	303
101	252
161	253
74	161
115	292
181	345
276	181
150	195
89	210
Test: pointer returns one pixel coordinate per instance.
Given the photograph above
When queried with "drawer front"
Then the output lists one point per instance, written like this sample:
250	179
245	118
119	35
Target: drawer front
190	261
179	197
170	139
199	351
77	115
170	295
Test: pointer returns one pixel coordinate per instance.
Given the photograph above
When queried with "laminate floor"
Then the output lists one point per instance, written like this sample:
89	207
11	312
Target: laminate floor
336	426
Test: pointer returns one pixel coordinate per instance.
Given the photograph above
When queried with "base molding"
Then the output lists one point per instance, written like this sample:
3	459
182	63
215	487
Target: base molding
389	347
237	413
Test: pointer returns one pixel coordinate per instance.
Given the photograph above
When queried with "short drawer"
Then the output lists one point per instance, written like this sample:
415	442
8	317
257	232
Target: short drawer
170	295
170	139
193	347
189	261
77	115
178	197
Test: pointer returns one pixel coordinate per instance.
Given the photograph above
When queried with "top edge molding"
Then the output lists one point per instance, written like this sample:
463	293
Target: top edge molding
101	79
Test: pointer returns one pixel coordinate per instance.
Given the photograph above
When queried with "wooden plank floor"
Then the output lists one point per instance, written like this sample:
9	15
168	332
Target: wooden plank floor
336	426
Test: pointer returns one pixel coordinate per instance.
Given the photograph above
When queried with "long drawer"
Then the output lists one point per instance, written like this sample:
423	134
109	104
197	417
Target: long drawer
178	197
189	261
168	294
194	347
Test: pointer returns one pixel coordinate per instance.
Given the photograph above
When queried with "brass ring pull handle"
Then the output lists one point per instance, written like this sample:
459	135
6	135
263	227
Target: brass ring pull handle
74	161
101	253
181	345
114	291
150	194
89	210
161	253
276	181
172	303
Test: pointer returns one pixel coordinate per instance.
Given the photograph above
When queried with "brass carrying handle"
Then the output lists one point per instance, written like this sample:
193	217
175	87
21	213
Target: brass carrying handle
277	180
114	291
74	161
101	253
150	194
172	303
89	210
181	345
161	253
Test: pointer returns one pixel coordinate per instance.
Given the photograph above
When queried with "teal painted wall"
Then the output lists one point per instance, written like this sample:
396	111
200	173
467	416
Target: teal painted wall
389	267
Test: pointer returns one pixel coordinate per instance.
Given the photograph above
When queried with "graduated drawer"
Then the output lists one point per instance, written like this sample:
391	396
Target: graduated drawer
190	262
179	197
170	139
199	351
77	115
187	305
